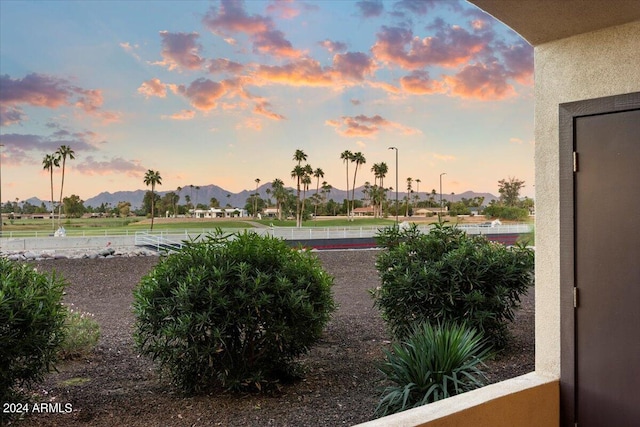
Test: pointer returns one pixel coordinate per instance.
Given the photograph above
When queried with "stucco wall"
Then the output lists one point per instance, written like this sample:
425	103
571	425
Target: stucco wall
593	65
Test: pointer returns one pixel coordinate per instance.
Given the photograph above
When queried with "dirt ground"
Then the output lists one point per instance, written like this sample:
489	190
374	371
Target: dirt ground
115	386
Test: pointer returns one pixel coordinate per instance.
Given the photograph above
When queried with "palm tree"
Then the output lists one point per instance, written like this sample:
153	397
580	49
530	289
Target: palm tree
48	163
255	199
306	181
318	173
63	152
152	178
326	189
297	173
279	194
191	198
195	202
359	159
409	191
380	171
347	156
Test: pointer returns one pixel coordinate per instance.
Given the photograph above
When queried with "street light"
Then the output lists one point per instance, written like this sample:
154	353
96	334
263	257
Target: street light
443	173
1	145
396	148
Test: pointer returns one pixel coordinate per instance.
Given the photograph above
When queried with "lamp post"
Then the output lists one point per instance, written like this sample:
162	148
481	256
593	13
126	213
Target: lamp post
443	173
396	148
1	145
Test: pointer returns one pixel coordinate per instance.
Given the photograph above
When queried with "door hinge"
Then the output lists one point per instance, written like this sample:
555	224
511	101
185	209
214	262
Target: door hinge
575	297
575	161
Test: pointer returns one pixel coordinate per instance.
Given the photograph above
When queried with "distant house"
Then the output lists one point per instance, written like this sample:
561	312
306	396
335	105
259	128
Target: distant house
430	211
271	212
367	211
219	213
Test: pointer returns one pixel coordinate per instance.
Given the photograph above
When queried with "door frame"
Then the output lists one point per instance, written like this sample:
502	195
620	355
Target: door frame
568	112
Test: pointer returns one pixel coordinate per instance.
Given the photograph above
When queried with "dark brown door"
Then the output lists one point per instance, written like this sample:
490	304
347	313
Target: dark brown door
607	269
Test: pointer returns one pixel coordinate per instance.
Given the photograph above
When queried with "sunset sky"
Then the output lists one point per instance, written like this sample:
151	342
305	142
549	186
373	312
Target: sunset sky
224	92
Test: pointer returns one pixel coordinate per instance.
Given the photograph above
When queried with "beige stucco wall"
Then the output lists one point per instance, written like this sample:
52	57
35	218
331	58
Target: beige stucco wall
587	66
526	401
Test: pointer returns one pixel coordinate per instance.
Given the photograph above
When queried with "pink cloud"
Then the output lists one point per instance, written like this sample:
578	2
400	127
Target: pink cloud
518	60
303	72
263	108
370	8
482	82
181	115
222	65
203	94
10	115
362	126
232	18
130	49
36	90
28	148
39	90
353	65
449	47
250	123
283	8
332	46
274	43
153	87
180	51
347	69
419	83
117	165
418	7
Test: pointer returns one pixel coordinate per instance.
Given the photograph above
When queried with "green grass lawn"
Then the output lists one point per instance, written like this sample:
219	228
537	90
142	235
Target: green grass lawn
338	222
98	226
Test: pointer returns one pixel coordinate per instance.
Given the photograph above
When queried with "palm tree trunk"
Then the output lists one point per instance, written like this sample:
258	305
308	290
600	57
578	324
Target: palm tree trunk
53	226
153	203
61	189
353	189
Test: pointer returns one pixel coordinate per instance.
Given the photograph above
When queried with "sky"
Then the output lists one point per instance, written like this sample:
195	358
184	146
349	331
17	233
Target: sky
224	92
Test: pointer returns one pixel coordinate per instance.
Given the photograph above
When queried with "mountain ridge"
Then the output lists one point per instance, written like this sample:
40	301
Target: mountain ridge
206	192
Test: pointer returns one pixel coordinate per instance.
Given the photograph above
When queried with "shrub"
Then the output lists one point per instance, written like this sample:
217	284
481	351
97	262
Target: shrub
232	311
447	275
433	363
513	213
81	335
31	325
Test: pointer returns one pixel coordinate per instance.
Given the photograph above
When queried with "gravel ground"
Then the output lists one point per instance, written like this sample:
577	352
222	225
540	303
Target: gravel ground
114	386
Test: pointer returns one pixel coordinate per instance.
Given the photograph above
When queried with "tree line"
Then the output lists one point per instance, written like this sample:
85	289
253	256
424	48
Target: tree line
287	202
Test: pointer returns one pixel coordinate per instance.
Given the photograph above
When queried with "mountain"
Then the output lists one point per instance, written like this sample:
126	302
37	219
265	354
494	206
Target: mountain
206	192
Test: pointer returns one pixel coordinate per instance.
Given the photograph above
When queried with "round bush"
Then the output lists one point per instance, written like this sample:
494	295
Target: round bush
232	311
31	325
447	275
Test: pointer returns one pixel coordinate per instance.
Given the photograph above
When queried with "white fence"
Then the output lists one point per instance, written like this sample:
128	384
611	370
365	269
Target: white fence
161	238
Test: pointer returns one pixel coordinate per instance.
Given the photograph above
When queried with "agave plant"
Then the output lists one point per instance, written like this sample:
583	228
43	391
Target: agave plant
433	363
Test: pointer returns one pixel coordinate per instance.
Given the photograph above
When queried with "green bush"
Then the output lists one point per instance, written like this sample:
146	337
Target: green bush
232	312
81	335
433	363
447	275
31	325
513	213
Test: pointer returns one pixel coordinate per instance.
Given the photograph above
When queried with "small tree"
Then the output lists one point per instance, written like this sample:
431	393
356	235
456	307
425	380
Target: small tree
509	190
